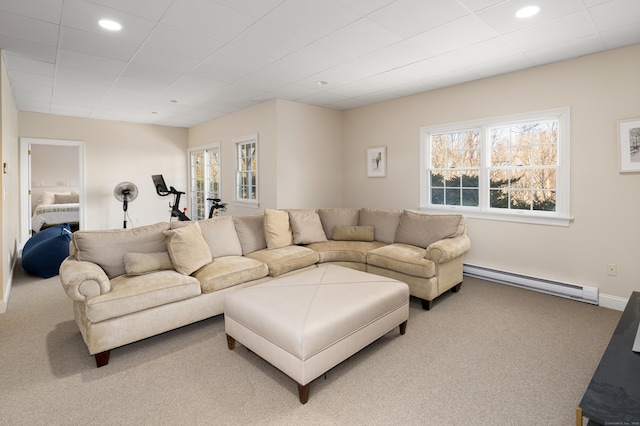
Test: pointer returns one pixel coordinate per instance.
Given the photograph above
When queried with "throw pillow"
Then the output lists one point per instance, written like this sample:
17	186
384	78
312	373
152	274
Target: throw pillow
423	229
353	233
277	229
306	226
385	222
250	231
49	197
144	263
331	218
187	248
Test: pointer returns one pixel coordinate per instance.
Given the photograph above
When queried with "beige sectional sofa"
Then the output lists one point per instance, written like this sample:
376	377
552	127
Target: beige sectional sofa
130	284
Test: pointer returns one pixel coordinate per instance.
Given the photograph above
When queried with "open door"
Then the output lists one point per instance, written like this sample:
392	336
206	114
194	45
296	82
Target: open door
49	170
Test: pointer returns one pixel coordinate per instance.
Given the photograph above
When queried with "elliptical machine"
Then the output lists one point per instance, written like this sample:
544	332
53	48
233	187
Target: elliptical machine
161	189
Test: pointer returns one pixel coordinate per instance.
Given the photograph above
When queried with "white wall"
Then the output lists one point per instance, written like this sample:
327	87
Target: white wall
116	152
600	89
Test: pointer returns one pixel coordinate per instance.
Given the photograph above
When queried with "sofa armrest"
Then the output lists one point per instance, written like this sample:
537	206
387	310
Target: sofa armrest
83	280
444	250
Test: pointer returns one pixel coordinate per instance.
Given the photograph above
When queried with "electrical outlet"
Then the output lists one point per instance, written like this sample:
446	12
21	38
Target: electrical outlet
612	269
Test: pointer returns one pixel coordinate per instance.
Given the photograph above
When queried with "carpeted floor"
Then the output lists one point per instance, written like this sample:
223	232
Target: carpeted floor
488	355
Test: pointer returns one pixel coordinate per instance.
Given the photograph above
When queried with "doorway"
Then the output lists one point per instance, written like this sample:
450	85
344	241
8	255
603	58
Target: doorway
52	177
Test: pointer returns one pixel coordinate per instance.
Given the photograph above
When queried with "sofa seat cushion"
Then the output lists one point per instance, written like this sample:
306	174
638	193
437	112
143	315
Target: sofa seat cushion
131	294
285	259
344	251
228	271
403	258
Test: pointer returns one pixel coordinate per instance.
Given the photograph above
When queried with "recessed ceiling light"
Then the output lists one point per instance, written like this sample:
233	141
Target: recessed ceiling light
110	25
527	12
322	83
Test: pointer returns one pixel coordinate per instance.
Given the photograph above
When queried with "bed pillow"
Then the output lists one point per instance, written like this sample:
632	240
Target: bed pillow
66	198
49	197
306	226
187	248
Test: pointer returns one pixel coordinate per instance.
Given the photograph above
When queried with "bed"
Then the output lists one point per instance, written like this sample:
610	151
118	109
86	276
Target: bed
56	208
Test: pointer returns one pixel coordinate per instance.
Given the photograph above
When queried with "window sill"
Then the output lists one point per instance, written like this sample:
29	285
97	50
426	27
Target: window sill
514	216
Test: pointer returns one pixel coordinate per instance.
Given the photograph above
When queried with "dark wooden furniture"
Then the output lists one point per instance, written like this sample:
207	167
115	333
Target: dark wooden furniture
613	395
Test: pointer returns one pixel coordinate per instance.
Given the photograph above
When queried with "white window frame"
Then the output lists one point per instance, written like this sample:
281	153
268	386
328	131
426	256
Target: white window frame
205	149
237	142
560	217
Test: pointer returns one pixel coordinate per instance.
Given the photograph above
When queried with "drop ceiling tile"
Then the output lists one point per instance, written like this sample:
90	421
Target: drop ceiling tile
96	44
196	84
83	15
79	86
164	60
502	16
322	98
25	77
140	85
90	62
502	66
477	5
401	53
454	35
622	36
346	73
150	73
75	111
28	29
43	10
34	66
36	99
311	18
365	7
183	42
222	73
617	13
64	72
411	17
359	38
556	31
480	53
38	51
207	18
148	9
558	52
255	8
270	40
20	88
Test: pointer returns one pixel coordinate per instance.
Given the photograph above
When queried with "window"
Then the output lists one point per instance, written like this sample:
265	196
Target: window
508	168
247	169
204	182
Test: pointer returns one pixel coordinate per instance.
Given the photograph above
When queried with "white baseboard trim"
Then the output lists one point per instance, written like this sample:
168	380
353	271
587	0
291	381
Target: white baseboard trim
613	302
4	303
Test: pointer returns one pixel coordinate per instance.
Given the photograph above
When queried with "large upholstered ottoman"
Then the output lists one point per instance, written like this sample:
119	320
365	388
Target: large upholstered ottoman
305	324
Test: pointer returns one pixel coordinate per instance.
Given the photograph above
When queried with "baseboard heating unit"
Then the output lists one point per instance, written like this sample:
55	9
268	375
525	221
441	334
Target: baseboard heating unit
570	291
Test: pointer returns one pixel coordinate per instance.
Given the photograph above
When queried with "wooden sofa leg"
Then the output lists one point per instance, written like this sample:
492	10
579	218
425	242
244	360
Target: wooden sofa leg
456	288
426	304
102	358
303	392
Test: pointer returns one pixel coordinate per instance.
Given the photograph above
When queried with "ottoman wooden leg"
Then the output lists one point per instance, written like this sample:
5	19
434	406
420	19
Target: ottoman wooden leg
303	392
403	328
231	342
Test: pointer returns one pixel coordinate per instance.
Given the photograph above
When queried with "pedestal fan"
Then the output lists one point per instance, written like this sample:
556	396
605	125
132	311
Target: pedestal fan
125	192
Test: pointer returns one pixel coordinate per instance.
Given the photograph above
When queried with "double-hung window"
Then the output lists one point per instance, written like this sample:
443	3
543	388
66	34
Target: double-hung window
512	168
246	150
204	181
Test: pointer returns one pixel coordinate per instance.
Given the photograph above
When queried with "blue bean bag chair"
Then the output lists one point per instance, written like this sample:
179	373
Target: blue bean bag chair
44	252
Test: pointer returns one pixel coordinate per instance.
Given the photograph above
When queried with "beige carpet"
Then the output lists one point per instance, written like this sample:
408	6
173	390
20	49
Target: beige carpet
488	355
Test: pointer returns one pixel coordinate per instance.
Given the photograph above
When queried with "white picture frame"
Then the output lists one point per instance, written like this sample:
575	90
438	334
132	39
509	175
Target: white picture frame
377	161
629	145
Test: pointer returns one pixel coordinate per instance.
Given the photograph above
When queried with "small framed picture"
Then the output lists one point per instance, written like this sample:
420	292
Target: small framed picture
629	140
377	162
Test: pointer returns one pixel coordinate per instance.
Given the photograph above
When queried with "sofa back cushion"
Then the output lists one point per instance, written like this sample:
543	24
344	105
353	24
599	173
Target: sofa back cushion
277	229
385	223
106	248
330	218
306	226
422	229
220	235
250	231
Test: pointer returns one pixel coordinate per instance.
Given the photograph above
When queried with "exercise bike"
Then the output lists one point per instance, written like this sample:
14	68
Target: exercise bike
216	207
161	189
